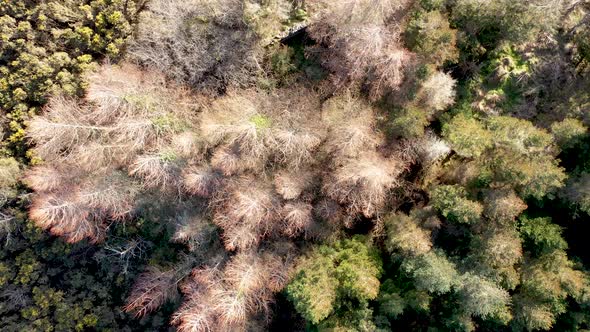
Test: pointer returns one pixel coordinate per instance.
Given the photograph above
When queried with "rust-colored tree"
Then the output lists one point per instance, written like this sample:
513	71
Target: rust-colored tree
242	172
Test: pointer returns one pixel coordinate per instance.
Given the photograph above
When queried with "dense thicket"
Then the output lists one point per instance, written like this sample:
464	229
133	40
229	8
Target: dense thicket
244	162
355	165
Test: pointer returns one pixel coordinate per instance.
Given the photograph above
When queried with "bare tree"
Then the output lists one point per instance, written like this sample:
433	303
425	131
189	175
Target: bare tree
239	172
157	170
194	230
127	123
330	211
431	148
351	126
437	92
221	300
291	184
257	127
297	218
125	252
246	209
332	21
389	71
150	291
17	297
201	180
6	226
189	40
362	184
64	126
360	37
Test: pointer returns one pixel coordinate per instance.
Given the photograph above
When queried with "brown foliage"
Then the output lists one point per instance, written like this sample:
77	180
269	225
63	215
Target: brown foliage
188	145
227	161
228	299
64	217
196	231
502	248
291	184
503	205
244	172
44	178
156	171
150	291
201	181
246	209
64	126
362	36
351	126
81	212
363	183
85	145
297	218
249	128
189	41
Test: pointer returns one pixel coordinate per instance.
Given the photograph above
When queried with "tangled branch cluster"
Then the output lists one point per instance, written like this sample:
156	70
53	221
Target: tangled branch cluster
264	167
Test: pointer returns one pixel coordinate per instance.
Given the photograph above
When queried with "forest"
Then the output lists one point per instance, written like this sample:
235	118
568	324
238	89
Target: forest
294	165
